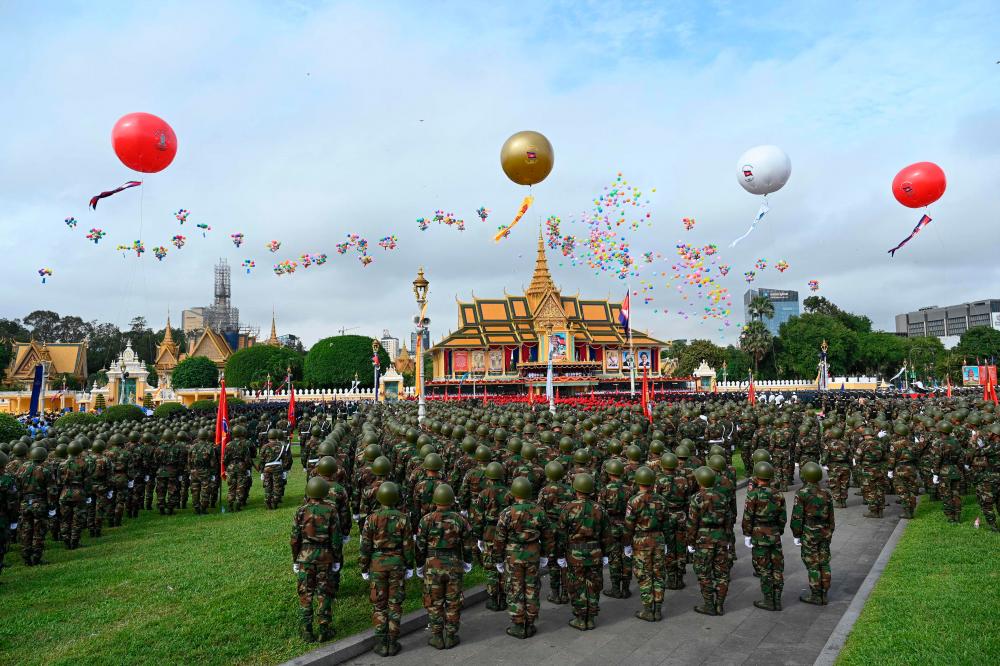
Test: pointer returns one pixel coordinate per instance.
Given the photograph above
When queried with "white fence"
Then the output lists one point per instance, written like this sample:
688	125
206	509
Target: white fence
859	381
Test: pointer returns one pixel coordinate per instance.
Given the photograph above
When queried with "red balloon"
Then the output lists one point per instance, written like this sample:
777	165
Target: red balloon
919	184
144	142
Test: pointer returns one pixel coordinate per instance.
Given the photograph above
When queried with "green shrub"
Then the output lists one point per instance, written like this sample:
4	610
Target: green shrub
168	409
213	405
251	366
10	428
195	372
117	413
76	418
333	362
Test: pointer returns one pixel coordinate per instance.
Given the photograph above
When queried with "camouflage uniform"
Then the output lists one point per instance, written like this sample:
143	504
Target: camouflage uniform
486	509
73	499
202	475
781	460
551	498
53	464
986	468
273	457
646	530
764	519
8	511
871	457
119	462
238	464
583	539
421	499
316	552
97	508
33	482
813	523
836	457
925	461
675	488
947	462
445	544
167	476
708	513
386	553
903	456
183	450
523	536
614	498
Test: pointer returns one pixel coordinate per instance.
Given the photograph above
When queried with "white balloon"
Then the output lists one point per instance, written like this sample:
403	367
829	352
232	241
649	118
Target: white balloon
763	169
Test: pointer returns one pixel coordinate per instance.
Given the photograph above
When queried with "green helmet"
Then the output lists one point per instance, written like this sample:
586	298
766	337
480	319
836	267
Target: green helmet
388	494
717	462
326	448
705	477
554	471
117	440
716	450
317	487
614	467
811	472
433	462
682	452
327	466
566	444
75	448
901	428
469	445
20	450
529	452
521	488
494	471
547	438
443	495
633	452
583	483
763	470
3	459
38	453
656	448
381	466
483	454
761	455
514	445
372	451
669	461
644	476
581	456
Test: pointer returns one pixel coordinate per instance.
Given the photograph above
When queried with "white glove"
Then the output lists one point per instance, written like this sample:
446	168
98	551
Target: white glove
295	568
356	517
408	575
854	462
284	475
13	526
747	542
131	484
336	567
628	551
249	475
90	500
52	513
826	468
967	468
364	575
213	477
934	479
666	549
561	561
480	545
500	567
798	542
881	434
690	549
543	561
465	514
467	566
146	478
604	561
262	476
420	572
345	540
110	494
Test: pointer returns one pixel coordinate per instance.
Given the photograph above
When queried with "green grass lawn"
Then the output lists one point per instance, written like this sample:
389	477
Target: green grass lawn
174	589
938	599
738	466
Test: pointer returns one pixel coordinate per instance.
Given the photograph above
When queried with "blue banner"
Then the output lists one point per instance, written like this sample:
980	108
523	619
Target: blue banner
36	390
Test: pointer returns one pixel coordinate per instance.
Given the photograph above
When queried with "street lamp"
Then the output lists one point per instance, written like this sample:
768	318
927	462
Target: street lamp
420	286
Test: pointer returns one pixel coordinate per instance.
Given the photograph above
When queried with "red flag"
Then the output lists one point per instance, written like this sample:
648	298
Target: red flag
484	394
291	402
752	393
949	386
646	411
222	427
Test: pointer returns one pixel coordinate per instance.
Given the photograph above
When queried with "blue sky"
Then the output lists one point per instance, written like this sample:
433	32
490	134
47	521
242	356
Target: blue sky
307	121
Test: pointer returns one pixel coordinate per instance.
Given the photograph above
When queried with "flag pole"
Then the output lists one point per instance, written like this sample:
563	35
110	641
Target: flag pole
631	345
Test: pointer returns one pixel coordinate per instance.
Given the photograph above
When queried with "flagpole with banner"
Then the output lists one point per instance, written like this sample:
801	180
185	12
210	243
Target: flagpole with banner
625	319
751	392
291	404
222	434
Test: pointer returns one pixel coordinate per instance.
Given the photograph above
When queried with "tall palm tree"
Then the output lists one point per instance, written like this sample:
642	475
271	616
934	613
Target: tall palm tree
760	307
755	340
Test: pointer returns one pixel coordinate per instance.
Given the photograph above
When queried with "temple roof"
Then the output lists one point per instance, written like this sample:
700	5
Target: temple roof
273	340
66	357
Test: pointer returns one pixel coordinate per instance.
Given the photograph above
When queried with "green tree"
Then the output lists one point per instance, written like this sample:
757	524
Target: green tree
800	337
755	342
333	362
880	353
737	364
11	428
250	367
692	354
117	413
166	409
195	372
820	305
44	325
11	330
760	307
928	358
979	342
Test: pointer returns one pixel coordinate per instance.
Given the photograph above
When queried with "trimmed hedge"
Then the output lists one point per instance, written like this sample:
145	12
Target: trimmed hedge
118	413
213	405
251	366
11	428
333	362
168	409
76	418
195	372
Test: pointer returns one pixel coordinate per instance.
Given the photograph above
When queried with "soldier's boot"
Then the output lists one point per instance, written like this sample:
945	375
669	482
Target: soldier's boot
841	504
491	599
657	611
554	596
873	513
451	639
517	631
381	647
624	590
326	633
767	603
776	598
708	607
436	641
647	613
394	647
306	633
813	597
578	622
529	629
614	591
719	604
825	594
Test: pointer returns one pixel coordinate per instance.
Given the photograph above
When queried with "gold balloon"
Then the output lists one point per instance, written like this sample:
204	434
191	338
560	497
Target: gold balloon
527	157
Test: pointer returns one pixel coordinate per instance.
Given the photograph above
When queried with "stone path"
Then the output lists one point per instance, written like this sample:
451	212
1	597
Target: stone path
744	635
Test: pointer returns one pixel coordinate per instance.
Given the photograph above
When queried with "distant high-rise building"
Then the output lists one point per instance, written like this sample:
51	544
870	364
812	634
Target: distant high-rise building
425	340
389	344
785	302
949	322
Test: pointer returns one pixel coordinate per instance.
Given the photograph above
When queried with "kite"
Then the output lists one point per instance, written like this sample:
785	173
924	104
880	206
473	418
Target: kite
108	193
923	222
70	222
96	235
237	239
178	241
504	231
44	273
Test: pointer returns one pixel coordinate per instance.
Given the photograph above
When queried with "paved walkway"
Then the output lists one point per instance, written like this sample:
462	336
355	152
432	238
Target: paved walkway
744	635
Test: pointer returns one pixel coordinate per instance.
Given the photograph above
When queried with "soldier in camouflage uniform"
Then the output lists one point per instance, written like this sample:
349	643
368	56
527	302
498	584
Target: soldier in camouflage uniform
675	488
202	471
903	457
871	458
745	428
97	507
709	542
238	463
421	500
646	532
182	449
836	458
812	526
386	561
925	451
524	542
948	472
9	509
33	483
56	457
444	547
73	499
167	457
583	540
316	555
551	498
119	462
486	509
473	480
272	468
780	448
763	524
614	498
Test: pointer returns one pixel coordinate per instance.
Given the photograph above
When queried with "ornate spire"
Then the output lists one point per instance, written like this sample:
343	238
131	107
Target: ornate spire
273	340
168	337
541	281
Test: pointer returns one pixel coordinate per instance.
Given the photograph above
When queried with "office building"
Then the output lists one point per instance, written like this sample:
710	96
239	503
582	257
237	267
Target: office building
948	323
425	340
390	345
785	302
